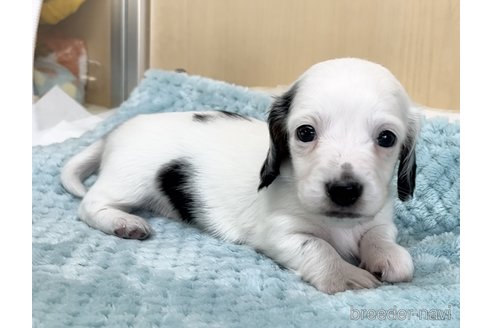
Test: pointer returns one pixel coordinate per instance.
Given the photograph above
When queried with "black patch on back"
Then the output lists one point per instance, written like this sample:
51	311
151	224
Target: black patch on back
214	115
174	180
233	115
200	117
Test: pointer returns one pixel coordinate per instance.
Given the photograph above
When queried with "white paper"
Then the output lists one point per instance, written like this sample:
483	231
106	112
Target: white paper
57	117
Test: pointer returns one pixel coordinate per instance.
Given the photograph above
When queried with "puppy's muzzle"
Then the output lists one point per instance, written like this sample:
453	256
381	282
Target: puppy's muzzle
344	193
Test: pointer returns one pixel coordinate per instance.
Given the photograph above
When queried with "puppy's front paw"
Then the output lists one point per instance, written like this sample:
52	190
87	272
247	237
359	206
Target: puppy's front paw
347	277
131	227
389	261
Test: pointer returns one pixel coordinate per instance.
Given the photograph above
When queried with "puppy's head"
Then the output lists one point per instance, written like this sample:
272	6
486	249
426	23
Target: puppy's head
343	126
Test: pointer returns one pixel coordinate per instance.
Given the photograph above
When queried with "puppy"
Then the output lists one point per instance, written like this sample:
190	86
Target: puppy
312	189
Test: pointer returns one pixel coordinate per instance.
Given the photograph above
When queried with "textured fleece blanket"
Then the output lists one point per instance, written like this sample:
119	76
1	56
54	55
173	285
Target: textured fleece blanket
182	277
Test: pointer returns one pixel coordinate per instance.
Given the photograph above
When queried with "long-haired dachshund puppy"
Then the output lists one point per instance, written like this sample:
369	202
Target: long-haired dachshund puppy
311	188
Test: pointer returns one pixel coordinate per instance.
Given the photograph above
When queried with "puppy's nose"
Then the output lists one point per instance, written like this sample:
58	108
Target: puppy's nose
344	193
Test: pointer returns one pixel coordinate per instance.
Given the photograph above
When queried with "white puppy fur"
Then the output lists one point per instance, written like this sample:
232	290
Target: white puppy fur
321	202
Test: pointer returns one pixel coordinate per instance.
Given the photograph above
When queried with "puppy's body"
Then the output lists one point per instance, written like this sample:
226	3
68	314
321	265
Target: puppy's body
205	168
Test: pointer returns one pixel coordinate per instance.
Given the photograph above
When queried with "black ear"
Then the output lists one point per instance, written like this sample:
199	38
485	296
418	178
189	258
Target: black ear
279	137
408	162
406	173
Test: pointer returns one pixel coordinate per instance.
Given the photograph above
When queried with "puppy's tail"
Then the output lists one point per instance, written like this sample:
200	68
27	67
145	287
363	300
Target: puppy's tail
79	167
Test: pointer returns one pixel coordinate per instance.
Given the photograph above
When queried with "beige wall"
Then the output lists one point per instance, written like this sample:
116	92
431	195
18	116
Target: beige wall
92	24
270	42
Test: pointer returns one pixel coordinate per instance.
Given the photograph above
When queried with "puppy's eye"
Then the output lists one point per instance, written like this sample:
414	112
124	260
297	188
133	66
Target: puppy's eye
386	139
306	133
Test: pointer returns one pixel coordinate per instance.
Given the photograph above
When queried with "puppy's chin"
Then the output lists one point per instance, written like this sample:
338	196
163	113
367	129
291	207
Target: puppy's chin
345	219
344	215
339	216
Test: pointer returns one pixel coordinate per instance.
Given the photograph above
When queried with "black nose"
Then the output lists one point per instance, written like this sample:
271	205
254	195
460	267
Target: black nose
344	193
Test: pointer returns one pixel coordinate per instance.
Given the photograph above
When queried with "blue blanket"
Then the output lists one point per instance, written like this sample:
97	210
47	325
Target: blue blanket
182	277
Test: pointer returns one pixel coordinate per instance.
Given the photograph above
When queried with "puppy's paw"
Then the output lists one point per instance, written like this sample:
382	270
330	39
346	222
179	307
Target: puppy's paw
347	277
131	227
388	261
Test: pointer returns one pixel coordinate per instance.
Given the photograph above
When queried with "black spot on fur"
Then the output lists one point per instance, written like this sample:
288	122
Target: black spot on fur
279	137
213	115
233	115
200	117
306	242
174	181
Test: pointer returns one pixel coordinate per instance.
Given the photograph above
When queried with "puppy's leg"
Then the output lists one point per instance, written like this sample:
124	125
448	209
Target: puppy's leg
318	263
102	209
382	256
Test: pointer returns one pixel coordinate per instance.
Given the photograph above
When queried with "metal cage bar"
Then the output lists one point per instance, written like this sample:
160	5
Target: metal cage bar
129	46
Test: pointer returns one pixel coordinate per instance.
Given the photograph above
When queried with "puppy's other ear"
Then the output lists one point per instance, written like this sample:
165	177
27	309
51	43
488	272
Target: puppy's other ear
406	174
408	163
279	137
